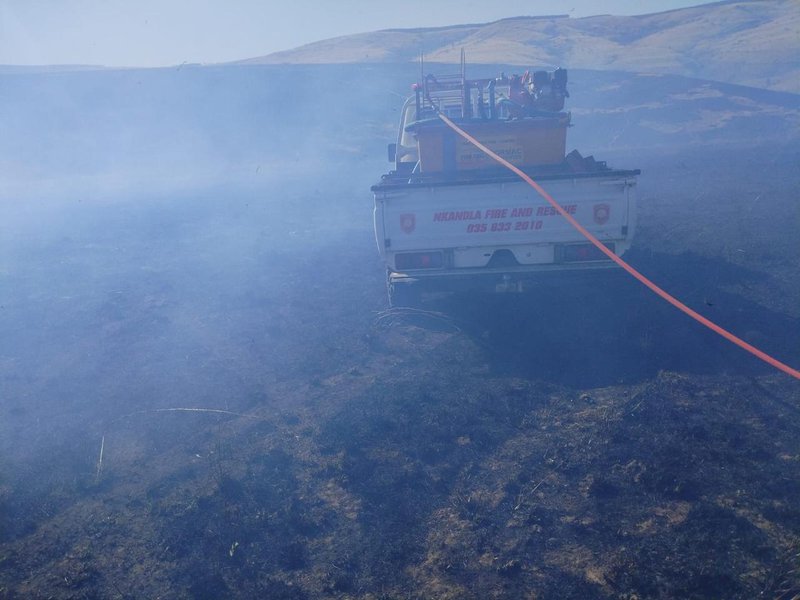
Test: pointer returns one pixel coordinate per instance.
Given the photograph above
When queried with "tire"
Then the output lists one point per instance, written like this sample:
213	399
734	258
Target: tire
404	295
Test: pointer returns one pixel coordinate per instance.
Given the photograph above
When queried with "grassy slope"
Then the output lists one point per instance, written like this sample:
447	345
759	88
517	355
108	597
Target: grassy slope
744	42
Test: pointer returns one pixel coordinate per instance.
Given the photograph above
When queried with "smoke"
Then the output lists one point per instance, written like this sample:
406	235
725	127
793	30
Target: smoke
154	224
191	236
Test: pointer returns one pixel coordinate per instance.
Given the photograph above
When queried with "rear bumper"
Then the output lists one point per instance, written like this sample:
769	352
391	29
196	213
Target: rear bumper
509	279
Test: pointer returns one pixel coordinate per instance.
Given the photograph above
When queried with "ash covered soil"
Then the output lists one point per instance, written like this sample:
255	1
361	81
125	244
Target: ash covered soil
580	441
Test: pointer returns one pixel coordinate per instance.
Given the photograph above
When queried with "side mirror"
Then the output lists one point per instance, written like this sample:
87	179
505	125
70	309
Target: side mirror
392	151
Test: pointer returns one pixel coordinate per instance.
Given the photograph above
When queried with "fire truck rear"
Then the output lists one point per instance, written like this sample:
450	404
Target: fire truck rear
449	218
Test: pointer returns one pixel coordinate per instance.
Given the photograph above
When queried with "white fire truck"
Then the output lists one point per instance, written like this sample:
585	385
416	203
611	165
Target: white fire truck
448	217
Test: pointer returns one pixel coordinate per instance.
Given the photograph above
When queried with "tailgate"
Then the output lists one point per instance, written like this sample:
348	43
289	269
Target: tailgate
503	214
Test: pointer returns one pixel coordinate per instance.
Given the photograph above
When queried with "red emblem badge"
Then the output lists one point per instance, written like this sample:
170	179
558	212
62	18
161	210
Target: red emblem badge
408	222
601	213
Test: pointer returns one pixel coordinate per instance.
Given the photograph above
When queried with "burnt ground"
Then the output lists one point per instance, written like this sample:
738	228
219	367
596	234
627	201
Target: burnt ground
582	441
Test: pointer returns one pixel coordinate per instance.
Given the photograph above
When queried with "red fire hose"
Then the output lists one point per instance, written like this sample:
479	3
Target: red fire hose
610	254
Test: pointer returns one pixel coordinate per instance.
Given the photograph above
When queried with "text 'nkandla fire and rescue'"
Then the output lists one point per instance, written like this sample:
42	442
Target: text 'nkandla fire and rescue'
500	213
476	218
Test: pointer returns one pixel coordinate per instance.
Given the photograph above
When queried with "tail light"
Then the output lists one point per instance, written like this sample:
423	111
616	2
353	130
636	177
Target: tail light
418	260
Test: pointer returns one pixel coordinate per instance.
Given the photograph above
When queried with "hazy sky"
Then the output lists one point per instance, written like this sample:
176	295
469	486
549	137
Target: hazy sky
169	32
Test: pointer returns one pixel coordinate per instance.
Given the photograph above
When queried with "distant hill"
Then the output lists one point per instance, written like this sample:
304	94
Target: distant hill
748	42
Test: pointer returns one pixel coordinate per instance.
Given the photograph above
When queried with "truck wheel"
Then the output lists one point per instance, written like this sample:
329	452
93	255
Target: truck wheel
403	295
